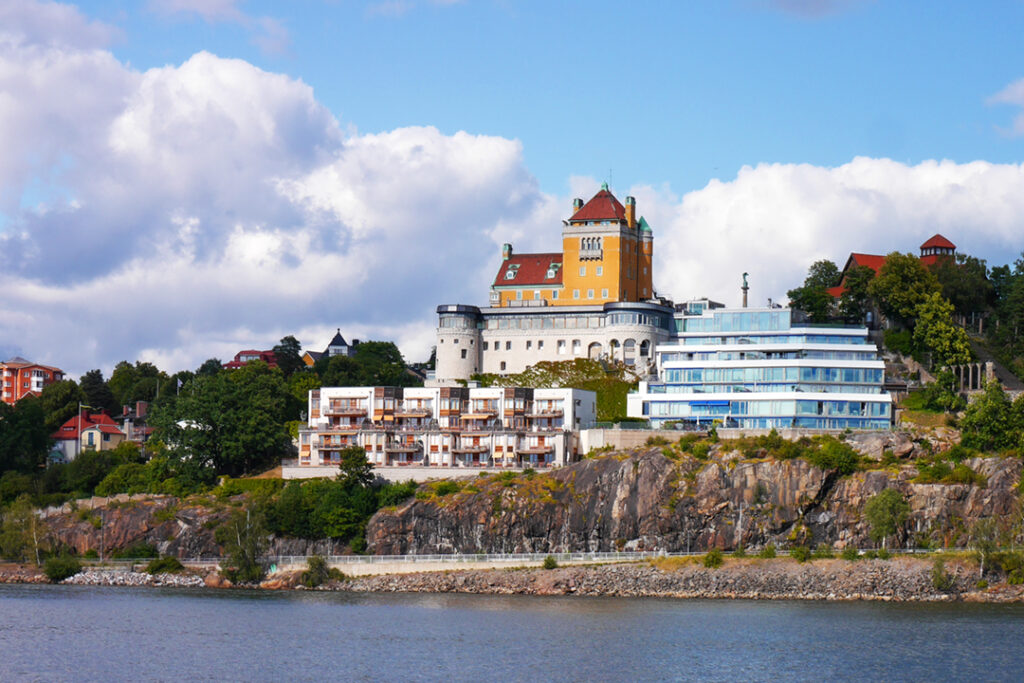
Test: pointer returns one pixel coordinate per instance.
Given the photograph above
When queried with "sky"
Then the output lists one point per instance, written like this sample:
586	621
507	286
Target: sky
183	179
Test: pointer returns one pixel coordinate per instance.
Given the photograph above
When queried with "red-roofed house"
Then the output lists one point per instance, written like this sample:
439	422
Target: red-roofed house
249	355
87	431
20	378
935	248
606	257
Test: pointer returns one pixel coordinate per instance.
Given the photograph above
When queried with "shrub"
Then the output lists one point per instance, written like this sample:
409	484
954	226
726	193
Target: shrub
739	552
823	552
317	572
139	550
767	552
870	555
942	581
800	553
982	585
91	554
164	565
550	562
656	440
60	567
883	554
850	554
713	558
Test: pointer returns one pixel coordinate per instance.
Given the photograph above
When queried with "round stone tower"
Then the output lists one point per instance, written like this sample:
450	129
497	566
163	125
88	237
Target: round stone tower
458	343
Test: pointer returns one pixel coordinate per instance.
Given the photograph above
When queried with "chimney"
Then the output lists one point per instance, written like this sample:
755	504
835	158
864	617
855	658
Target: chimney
577	204
745	287
141	408
506	251
631	211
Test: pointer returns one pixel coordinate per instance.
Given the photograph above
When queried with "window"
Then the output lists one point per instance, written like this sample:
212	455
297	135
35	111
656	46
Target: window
508	345
463	353
600	271
645	270
503	366
509	274
561	346
519	294
575	294
485	345
540	344
583	271
529	344
536	294
456	340
604	293
554	293
590	294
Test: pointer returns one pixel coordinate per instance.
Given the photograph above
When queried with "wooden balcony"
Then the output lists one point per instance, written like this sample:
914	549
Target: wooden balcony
545	413
471	449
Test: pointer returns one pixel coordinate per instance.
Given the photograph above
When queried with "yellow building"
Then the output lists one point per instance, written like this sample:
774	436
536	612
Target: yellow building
606	256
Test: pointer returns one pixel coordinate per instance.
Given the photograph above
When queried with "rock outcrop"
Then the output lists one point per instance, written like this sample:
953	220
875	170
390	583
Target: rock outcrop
647	501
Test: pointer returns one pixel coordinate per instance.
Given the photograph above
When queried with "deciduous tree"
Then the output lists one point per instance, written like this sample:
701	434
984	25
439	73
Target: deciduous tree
937	334
886	513
901	285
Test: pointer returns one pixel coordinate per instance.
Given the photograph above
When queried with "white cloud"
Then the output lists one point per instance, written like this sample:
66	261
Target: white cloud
774	220
1012	94
267	33
51	23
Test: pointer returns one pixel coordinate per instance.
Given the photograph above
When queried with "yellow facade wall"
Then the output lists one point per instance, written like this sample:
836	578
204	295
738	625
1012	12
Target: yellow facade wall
611	268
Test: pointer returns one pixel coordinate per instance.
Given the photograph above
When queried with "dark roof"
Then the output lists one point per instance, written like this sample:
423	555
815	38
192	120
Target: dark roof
338	340
602	207
531	270
938	241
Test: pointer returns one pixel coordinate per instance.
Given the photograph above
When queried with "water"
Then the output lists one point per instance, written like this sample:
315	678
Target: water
57	633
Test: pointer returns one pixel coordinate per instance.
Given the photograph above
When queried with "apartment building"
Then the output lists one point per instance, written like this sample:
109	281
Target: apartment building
449	427
20	378
758	368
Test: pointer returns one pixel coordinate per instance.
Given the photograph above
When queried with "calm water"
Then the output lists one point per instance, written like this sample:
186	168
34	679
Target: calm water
82	633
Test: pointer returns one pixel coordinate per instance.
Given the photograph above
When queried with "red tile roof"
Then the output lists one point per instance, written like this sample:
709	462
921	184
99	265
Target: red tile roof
872	261
73	430
531	270
836	291
938	241
602	207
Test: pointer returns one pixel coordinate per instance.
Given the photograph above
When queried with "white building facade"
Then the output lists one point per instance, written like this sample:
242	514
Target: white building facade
757	368
446	427
509	339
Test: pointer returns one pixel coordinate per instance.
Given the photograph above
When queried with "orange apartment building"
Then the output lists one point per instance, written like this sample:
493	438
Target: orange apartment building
20	378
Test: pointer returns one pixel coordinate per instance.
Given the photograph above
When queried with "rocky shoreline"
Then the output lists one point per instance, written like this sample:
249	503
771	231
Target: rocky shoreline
897	580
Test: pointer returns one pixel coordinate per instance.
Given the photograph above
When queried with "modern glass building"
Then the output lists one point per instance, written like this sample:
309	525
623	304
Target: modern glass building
760	368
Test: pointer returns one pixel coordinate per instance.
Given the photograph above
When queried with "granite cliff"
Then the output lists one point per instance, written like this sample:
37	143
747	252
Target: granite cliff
646	501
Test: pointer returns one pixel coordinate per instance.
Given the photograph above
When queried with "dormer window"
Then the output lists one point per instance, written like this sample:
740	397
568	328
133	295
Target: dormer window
510	274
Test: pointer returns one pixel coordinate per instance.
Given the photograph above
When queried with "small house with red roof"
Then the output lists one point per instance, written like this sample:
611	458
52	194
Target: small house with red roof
86	431
933	250
243	358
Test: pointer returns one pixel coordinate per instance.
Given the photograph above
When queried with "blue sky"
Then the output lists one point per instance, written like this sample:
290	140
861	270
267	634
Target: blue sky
186	178
650	92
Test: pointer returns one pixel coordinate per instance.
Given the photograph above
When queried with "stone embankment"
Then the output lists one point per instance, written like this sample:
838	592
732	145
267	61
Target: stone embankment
900	580
96	577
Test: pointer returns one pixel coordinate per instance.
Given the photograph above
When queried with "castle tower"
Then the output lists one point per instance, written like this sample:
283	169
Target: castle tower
458	341
607	252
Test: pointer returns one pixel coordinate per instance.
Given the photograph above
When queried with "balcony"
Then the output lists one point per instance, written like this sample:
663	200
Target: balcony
345	411
480	414
403	448
471	449
414	412
555	412
537	450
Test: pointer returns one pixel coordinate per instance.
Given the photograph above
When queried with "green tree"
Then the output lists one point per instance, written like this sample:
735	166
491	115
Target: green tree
97	393
886	513
245	538
299	386
232	423
935	333
339	371
60	402
990	422
211	366
22	534
24	438
355	470
901	285
853	304
812	297
985	542
289	355
965	283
